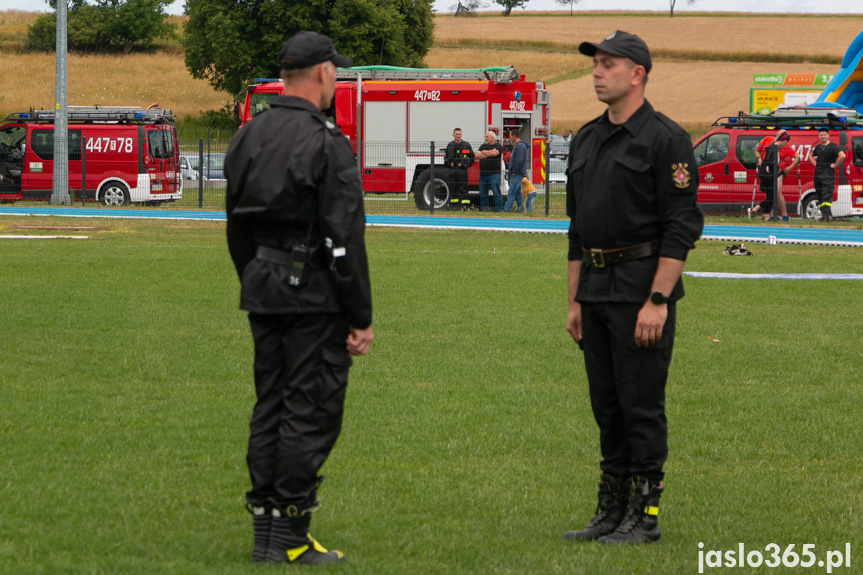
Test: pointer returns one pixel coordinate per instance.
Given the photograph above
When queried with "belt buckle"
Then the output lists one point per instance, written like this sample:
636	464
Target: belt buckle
597	257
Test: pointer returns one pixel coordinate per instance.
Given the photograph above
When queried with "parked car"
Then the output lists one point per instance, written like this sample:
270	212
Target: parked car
557	171
214	166
559	147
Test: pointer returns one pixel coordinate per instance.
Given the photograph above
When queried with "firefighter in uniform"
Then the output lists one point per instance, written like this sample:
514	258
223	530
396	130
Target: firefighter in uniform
826	157
458	158
296	235
631	193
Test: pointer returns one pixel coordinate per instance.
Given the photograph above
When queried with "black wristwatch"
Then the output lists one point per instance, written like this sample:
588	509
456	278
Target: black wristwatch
658	298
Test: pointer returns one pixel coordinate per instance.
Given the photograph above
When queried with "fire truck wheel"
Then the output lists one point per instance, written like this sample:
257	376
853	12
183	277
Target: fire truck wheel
115	194
809	209
422	190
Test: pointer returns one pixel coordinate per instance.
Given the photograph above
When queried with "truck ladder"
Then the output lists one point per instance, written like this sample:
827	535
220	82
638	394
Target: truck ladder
498	75
796	118
118	114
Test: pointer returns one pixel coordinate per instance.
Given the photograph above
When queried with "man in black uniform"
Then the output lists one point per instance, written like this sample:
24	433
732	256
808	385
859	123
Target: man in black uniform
631	192
296	235
459	157
826	157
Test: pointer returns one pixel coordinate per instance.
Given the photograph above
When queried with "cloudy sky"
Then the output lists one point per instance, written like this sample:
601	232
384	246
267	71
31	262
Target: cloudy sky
793	6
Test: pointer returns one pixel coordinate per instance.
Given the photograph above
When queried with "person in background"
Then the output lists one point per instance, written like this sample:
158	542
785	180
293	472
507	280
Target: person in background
826	157
489	156
788	160
459	157
517	170
528	192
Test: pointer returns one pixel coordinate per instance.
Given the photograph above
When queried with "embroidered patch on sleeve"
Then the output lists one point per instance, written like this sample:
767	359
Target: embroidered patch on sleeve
680	175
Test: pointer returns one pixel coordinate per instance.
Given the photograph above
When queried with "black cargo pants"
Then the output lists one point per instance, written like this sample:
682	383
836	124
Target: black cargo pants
627	389
301	375
458	177
824	182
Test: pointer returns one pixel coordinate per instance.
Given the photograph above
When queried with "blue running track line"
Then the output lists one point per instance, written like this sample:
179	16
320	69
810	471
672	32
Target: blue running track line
825	235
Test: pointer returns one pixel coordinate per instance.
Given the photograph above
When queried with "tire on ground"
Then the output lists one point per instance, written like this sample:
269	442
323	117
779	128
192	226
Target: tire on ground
114	193
422	189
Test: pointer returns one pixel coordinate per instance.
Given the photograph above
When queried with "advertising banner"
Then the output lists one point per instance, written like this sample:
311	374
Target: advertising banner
765	100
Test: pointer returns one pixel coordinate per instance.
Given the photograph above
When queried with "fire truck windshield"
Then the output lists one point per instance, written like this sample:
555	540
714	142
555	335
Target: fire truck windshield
161	143
260	101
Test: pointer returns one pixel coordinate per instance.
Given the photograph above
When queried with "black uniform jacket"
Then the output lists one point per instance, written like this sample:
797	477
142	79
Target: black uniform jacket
286	168
825	154
628	184
461	155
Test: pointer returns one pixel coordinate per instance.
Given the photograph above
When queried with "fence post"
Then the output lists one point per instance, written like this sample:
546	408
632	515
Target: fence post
83	170
200	173
431	180
208	152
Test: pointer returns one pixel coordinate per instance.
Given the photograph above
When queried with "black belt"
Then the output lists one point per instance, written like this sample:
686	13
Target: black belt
602	258
283	257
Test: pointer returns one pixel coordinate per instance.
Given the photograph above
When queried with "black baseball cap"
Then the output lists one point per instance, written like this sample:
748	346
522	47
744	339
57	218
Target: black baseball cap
305	49
622	44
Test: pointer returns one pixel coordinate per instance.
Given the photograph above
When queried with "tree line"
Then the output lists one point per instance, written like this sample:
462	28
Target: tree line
229	43
103	25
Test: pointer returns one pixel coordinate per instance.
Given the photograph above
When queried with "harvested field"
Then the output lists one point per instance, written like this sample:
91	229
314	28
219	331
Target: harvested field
109	80
535	65
692	94
813	36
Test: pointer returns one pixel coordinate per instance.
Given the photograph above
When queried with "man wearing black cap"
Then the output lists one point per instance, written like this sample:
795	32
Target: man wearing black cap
295	233
631	192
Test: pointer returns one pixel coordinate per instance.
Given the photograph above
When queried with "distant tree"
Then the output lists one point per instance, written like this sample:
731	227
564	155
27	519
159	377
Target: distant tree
508	5
231	42
103	24
468	7
136	22
571	3
672	3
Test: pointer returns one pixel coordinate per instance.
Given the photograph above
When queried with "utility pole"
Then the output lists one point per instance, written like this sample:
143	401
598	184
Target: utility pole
60	190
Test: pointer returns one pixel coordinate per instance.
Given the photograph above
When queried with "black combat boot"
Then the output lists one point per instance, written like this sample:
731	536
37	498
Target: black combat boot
641	522
261	520
826	213
291	542
613	494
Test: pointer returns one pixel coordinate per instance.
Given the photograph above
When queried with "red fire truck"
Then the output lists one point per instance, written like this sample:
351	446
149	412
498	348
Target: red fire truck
130	155
726	161
392	115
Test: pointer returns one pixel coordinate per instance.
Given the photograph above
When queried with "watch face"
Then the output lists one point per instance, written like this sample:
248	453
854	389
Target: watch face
658	298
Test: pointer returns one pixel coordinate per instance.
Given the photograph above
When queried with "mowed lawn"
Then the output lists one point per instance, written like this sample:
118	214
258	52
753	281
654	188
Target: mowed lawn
468	444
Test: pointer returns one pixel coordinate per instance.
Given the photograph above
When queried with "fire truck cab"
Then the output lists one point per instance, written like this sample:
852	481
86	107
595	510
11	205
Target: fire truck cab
727	168
128	155
393	115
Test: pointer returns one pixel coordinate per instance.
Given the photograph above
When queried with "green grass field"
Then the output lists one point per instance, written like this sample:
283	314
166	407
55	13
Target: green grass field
468	445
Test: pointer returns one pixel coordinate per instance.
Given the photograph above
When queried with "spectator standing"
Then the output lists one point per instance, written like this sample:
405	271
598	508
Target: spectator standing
489	156
517	170
295	233
631	192
459	157
826	157
768	180
528	192
788	160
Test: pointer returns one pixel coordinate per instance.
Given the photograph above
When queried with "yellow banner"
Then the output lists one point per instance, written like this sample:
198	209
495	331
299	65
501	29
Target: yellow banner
764	101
